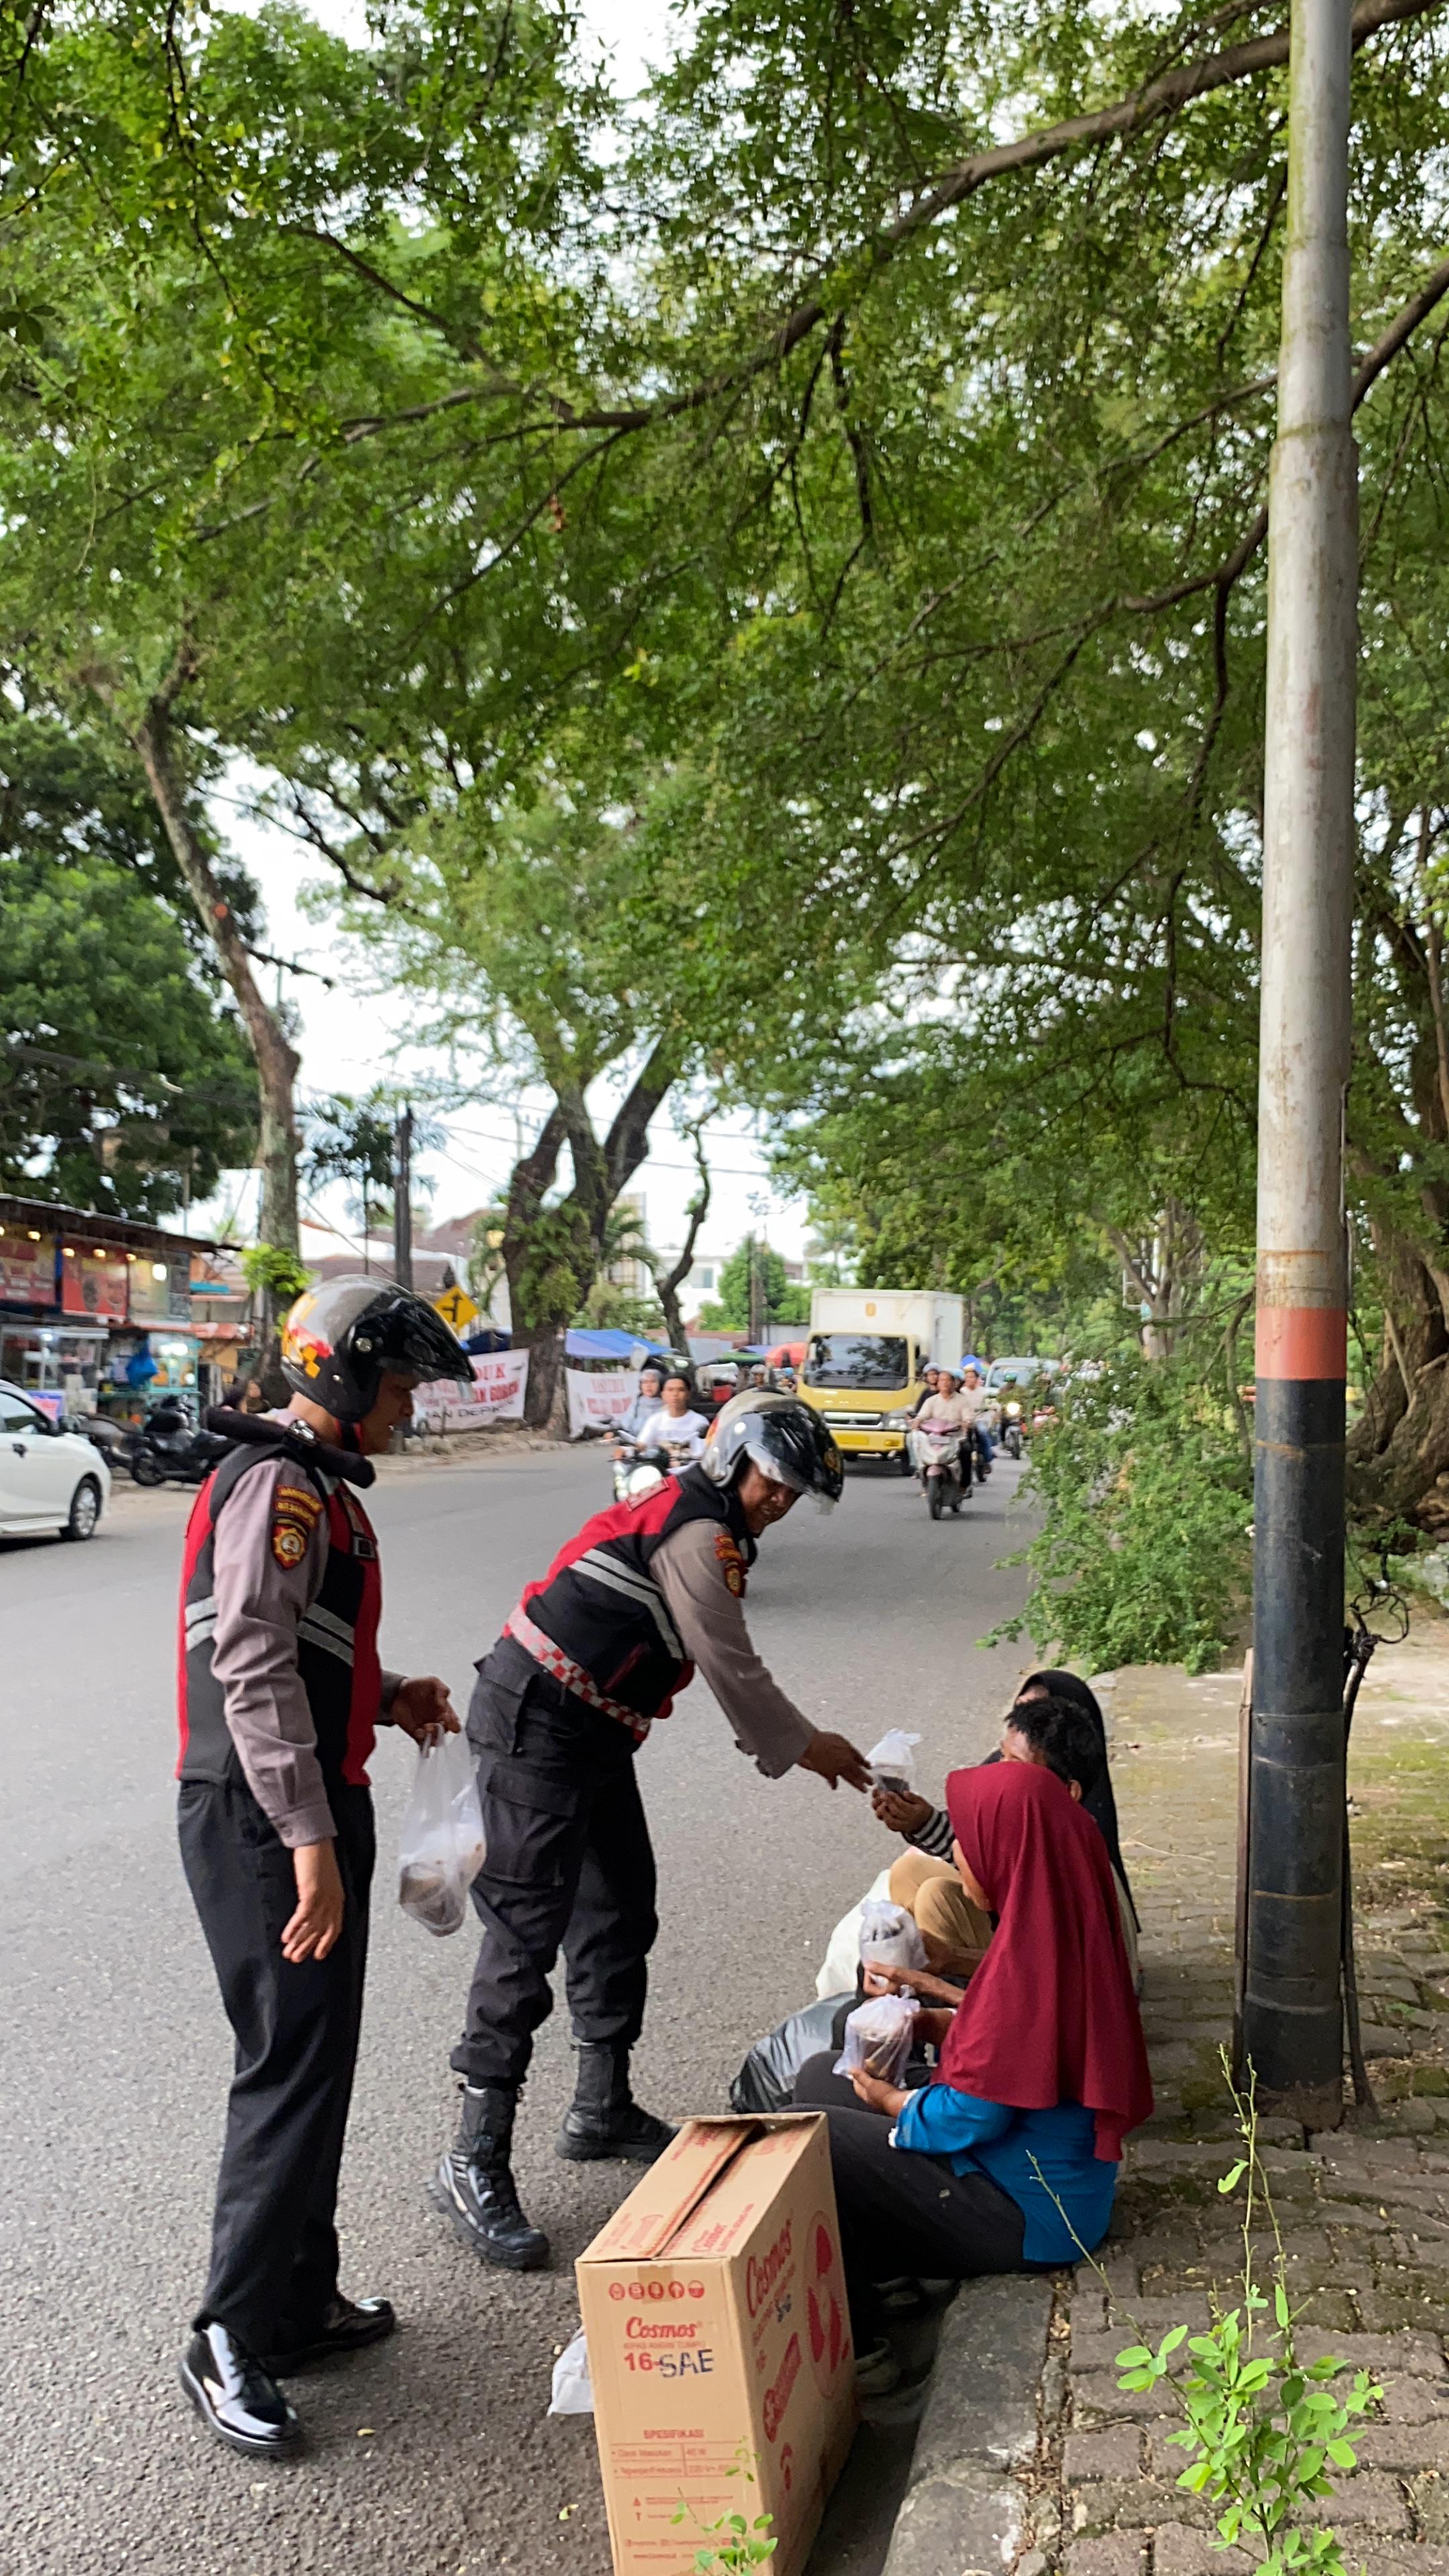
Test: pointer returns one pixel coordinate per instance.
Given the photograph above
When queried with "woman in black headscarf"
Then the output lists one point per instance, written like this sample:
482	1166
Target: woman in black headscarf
917	1879
1098	1799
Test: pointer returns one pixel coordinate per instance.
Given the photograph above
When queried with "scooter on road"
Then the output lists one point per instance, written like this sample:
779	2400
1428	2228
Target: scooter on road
943	1463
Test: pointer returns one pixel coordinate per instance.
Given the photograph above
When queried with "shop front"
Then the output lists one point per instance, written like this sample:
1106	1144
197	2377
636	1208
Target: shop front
96	1311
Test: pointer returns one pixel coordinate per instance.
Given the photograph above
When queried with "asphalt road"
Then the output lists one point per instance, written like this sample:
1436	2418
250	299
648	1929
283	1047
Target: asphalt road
432	2455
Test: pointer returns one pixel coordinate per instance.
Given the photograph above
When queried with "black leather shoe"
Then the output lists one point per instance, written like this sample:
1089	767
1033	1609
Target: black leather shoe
236	2397
474	2186
346	2327
604	2121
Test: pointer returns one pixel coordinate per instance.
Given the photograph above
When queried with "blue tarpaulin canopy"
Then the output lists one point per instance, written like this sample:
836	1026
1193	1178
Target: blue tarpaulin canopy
610	1344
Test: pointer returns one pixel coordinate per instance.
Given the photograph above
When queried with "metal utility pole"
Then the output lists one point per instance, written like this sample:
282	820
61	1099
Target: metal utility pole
1292	2023
402	1200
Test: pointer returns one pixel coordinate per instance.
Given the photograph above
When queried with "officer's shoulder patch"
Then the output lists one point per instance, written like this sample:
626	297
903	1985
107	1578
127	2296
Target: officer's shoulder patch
732	1564
296	1511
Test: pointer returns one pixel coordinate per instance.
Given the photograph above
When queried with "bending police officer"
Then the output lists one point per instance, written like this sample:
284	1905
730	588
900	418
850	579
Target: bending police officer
644	1595
280	1693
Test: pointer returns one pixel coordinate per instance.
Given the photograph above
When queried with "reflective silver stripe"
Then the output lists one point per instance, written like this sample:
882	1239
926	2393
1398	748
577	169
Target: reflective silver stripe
205	1608
322	1638
321	1618
199	1631
636	1588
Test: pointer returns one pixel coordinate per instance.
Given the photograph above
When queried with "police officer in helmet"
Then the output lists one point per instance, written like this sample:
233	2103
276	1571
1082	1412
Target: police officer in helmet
644	1595
280	1691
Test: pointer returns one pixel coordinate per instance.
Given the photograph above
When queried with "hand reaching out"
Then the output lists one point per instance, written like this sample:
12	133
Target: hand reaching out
834	1758
901	1809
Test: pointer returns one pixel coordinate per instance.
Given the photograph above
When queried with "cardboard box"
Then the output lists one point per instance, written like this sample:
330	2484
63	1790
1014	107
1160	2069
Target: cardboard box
719	2344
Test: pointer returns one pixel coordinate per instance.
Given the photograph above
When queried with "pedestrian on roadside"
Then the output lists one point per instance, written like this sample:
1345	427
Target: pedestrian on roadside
641	1597
1007	2159
280	1693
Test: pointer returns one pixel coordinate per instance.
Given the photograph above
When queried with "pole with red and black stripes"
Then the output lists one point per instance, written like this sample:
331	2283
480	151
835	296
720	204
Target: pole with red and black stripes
1291	2006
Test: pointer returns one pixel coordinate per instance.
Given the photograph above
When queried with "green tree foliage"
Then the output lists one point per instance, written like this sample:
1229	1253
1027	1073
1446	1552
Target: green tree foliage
1144	1554
124	1081
781	1302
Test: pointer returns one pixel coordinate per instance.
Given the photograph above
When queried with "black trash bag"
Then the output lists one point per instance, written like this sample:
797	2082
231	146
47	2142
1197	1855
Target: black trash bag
766	2081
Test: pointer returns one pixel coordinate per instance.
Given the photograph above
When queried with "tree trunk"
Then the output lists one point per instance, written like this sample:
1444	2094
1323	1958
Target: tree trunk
276	1060
667	1284
1398	1453
551	1254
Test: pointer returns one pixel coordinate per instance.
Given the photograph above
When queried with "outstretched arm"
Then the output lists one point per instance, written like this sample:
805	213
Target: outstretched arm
701	1574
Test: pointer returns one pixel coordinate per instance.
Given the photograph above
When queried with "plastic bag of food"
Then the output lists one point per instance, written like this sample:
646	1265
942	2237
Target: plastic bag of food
878	2038
841	1965
893	1760
441	1848
573	2390
888	1935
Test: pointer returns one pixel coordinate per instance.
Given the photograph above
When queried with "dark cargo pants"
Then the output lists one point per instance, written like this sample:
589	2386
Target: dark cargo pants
569	1864
274	2241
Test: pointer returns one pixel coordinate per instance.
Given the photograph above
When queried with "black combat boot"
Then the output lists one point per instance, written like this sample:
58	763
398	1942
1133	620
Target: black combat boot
474	2186
603	2118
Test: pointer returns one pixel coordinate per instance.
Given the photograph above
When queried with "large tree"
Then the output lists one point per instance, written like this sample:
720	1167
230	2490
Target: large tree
123	1076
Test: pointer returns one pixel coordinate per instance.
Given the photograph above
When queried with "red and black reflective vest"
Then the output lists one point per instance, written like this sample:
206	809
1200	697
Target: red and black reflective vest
600	1604
337	1656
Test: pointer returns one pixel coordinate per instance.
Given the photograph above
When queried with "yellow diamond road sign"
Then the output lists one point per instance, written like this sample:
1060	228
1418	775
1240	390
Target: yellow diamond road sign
456	1308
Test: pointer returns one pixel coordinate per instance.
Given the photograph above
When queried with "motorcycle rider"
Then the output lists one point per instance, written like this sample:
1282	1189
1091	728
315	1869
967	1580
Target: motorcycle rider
651	1389
280	1693
641	1597
975	1397
674	1425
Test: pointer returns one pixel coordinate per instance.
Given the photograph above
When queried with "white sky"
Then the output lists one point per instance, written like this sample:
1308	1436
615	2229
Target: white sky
350	1038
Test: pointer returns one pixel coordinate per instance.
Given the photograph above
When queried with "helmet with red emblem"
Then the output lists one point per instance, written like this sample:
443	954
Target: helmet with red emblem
343	1338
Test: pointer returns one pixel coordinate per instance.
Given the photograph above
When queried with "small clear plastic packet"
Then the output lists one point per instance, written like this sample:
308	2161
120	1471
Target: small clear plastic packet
889	1937
892	1761
878	2037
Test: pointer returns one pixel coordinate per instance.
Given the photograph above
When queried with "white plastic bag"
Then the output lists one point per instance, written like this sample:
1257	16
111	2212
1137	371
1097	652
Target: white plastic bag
573	2390
888	1935
842	1954
441	1848
893	1760
878	2037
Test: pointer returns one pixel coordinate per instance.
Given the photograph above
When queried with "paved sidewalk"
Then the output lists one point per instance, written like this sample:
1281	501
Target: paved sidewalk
1031	2459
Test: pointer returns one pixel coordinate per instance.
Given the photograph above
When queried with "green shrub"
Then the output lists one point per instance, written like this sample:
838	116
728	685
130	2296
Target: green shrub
1144	1554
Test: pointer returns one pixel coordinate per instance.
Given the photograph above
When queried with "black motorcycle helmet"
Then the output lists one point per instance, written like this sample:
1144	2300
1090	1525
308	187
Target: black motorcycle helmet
341	1339
783	1437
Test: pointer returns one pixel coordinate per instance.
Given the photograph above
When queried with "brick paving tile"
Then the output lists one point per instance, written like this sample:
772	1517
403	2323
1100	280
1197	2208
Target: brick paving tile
1179	2552
1138	2504
1116	2453
1416	2354
1367	2499
1120	2553
1415	2401
1423	2561
1405	2448
1097	2399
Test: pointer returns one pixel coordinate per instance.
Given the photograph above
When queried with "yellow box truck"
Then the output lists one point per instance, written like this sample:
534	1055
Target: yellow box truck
866	1357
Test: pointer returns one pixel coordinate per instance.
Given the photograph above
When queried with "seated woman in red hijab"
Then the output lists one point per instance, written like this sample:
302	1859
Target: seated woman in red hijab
1042	2066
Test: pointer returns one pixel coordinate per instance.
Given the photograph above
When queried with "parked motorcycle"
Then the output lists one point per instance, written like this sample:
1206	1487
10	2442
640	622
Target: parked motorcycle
159	1456
943	1463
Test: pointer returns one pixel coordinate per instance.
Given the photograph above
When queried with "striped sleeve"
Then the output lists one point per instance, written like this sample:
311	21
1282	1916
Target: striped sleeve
935	1835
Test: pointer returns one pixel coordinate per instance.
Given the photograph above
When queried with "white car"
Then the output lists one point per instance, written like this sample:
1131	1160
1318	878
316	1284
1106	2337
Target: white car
49	1479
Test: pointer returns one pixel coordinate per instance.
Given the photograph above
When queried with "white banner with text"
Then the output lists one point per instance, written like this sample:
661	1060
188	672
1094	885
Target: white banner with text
598	1398
500	1379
